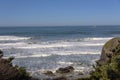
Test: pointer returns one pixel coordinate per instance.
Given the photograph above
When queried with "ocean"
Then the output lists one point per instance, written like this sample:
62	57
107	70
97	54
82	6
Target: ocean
49	48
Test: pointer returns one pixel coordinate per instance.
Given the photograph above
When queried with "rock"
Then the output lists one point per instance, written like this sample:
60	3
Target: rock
33	78
60	78
65	70
1	54
10	72
49	73
109	49
80	73
108	67
7	71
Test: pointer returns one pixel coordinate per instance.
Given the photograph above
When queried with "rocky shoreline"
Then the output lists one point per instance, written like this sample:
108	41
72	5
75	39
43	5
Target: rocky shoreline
106	68
10	72
68	73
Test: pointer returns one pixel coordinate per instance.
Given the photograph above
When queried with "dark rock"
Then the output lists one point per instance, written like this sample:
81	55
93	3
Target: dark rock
33	78
1	54
60	78
49	73
65	70
7	71
109	49
10	72
80	73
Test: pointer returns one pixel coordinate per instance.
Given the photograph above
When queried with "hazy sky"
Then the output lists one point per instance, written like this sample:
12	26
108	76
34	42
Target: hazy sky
59	12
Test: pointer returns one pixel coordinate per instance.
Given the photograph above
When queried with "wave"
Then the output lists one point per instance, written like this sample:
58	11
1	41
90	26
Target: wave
12	44
97	38
59	45
52	53
102	38
65	63
25	45
55	48
33	46
63	53
89	39
31	56
13	38
95	44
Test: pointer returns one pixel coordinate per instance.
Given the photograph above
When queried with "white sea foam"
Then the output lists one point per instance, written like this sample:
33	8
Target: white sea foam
22	48
55	45
99	38
74	52
65	63
63	45
14	38
95	44
33	46
31	56
23	45
12	45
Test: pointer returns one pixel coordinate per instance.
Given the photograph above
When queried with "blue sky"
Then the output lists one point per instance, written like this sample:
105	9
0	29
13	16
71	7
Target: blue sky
59	12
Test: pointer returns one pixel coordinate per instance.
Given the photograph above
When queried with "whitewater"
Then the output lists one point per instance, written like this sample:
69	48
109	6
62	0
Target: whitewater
49	48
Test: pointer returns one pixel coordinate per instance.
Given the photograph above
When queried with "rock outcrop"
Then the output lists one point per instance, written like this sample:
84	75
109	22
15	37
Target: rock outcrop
108	67
7	71
109	49
49	73
65	70
1	54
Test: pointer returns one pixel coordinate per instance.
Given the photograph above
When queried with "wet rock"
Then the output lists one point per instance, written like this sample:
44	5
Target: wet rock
1	54
60	78
49	73
80	73
65	70
33	79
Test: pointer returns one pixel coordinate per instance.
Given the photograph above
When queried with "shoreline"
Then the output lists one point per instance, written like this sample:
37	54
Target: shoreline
107	65
50	75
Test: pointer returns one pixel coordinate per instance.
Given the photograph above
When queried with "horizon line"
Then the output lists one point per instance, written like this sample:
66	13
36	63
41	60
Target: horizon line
60	26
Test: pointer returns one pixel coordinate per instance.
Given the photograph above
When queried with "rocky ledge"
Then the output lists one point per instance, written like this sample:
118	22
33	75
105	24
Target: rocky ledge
65	73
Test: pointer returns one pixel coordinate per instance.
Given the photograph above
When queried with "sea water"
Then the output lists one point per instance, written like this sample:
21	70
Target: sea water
49	48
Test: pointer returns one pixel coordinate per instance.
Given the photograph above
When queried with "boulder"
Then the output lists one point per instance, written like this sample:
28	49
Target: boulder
108	67
1	54
7	71
60	78
65	70
110	48
49	73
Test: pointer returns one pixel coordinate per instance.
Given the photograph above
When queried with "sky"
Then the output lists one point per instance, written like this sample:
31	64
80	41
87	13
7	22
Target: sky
59	12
